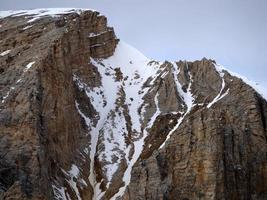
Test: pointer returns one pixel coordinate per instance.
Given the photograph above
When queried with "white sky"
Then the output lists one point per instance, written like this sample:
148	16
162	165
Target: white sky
233	32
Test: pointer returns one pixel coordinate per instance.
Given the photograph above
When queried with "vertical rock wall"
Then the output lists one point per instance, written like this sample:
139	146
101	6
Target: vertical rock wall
216	153
42	134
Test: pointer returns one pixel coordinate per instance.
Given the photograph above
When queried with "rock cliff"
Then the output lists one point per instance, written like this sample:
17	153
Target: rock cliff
86	116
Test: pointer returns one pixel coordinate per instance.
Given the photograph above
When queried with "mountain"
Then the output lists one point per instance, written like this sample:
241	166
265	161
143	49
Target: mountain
85	116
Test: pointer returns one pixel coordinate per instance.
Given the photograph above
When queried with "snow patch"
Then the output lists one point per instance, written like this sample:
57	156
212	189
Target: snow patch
4	97
5	53
136	71
260	89
131	63
138	147
38	13
114	143
59	193
96	34
134	66
103	100
220	95
28	66
27	27
73	174
153	118
7	94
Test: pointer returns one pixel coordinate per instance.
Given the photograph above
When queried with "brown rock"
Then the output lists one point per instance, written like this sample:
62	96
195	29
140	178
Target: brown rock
47	114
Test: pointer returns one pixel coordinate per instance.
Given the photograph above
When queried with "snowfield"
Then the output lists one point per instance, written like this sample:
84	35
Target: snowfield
41	12
132	64
136	70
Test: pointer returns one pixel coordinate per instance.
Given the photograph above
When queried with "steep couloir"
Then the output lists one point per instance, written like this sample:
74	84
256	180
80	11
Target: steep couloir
86	116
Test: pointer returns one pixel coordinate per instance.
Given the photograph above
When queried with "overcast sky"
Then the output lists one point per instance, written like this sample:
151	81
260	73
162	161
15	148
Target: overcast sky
233	32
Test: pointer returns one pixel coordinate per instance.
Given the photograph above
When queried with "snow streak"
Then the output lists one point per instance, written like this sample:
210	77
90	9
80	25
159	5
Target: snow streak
221	94
186	96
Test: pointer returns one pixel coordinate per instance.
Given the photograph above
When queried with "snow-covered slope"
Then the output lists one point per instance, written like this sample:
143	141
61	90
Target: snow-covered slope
135	72
41	12
119	135
259	88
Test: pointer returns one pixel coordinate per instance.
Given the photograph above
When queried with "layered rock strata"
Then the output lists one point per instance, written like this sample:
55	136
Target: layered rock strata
84	116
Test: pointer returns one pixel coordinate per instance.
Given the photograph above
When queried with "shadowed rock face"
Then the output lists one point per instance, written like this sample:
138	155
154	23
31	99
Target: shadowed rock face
41	133
84	116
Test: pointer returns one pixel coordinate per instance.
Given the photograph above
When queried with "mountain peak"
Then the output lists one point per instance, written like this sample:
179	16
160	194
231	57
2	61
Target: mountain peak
84	115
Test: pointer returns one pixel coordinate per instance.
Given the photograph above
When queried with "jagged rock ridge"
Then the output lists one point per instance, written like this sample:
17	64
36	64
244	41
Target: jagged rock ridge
84	116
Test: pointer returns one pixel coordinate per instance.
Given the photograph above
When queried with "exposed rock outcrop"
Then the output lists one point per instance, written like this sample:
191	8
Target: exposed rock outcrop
43	136
84	116
216	153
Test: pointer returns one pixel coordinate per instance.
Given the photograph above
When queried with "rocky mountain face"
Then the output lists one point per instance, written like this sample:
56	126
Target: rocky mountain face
85	116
